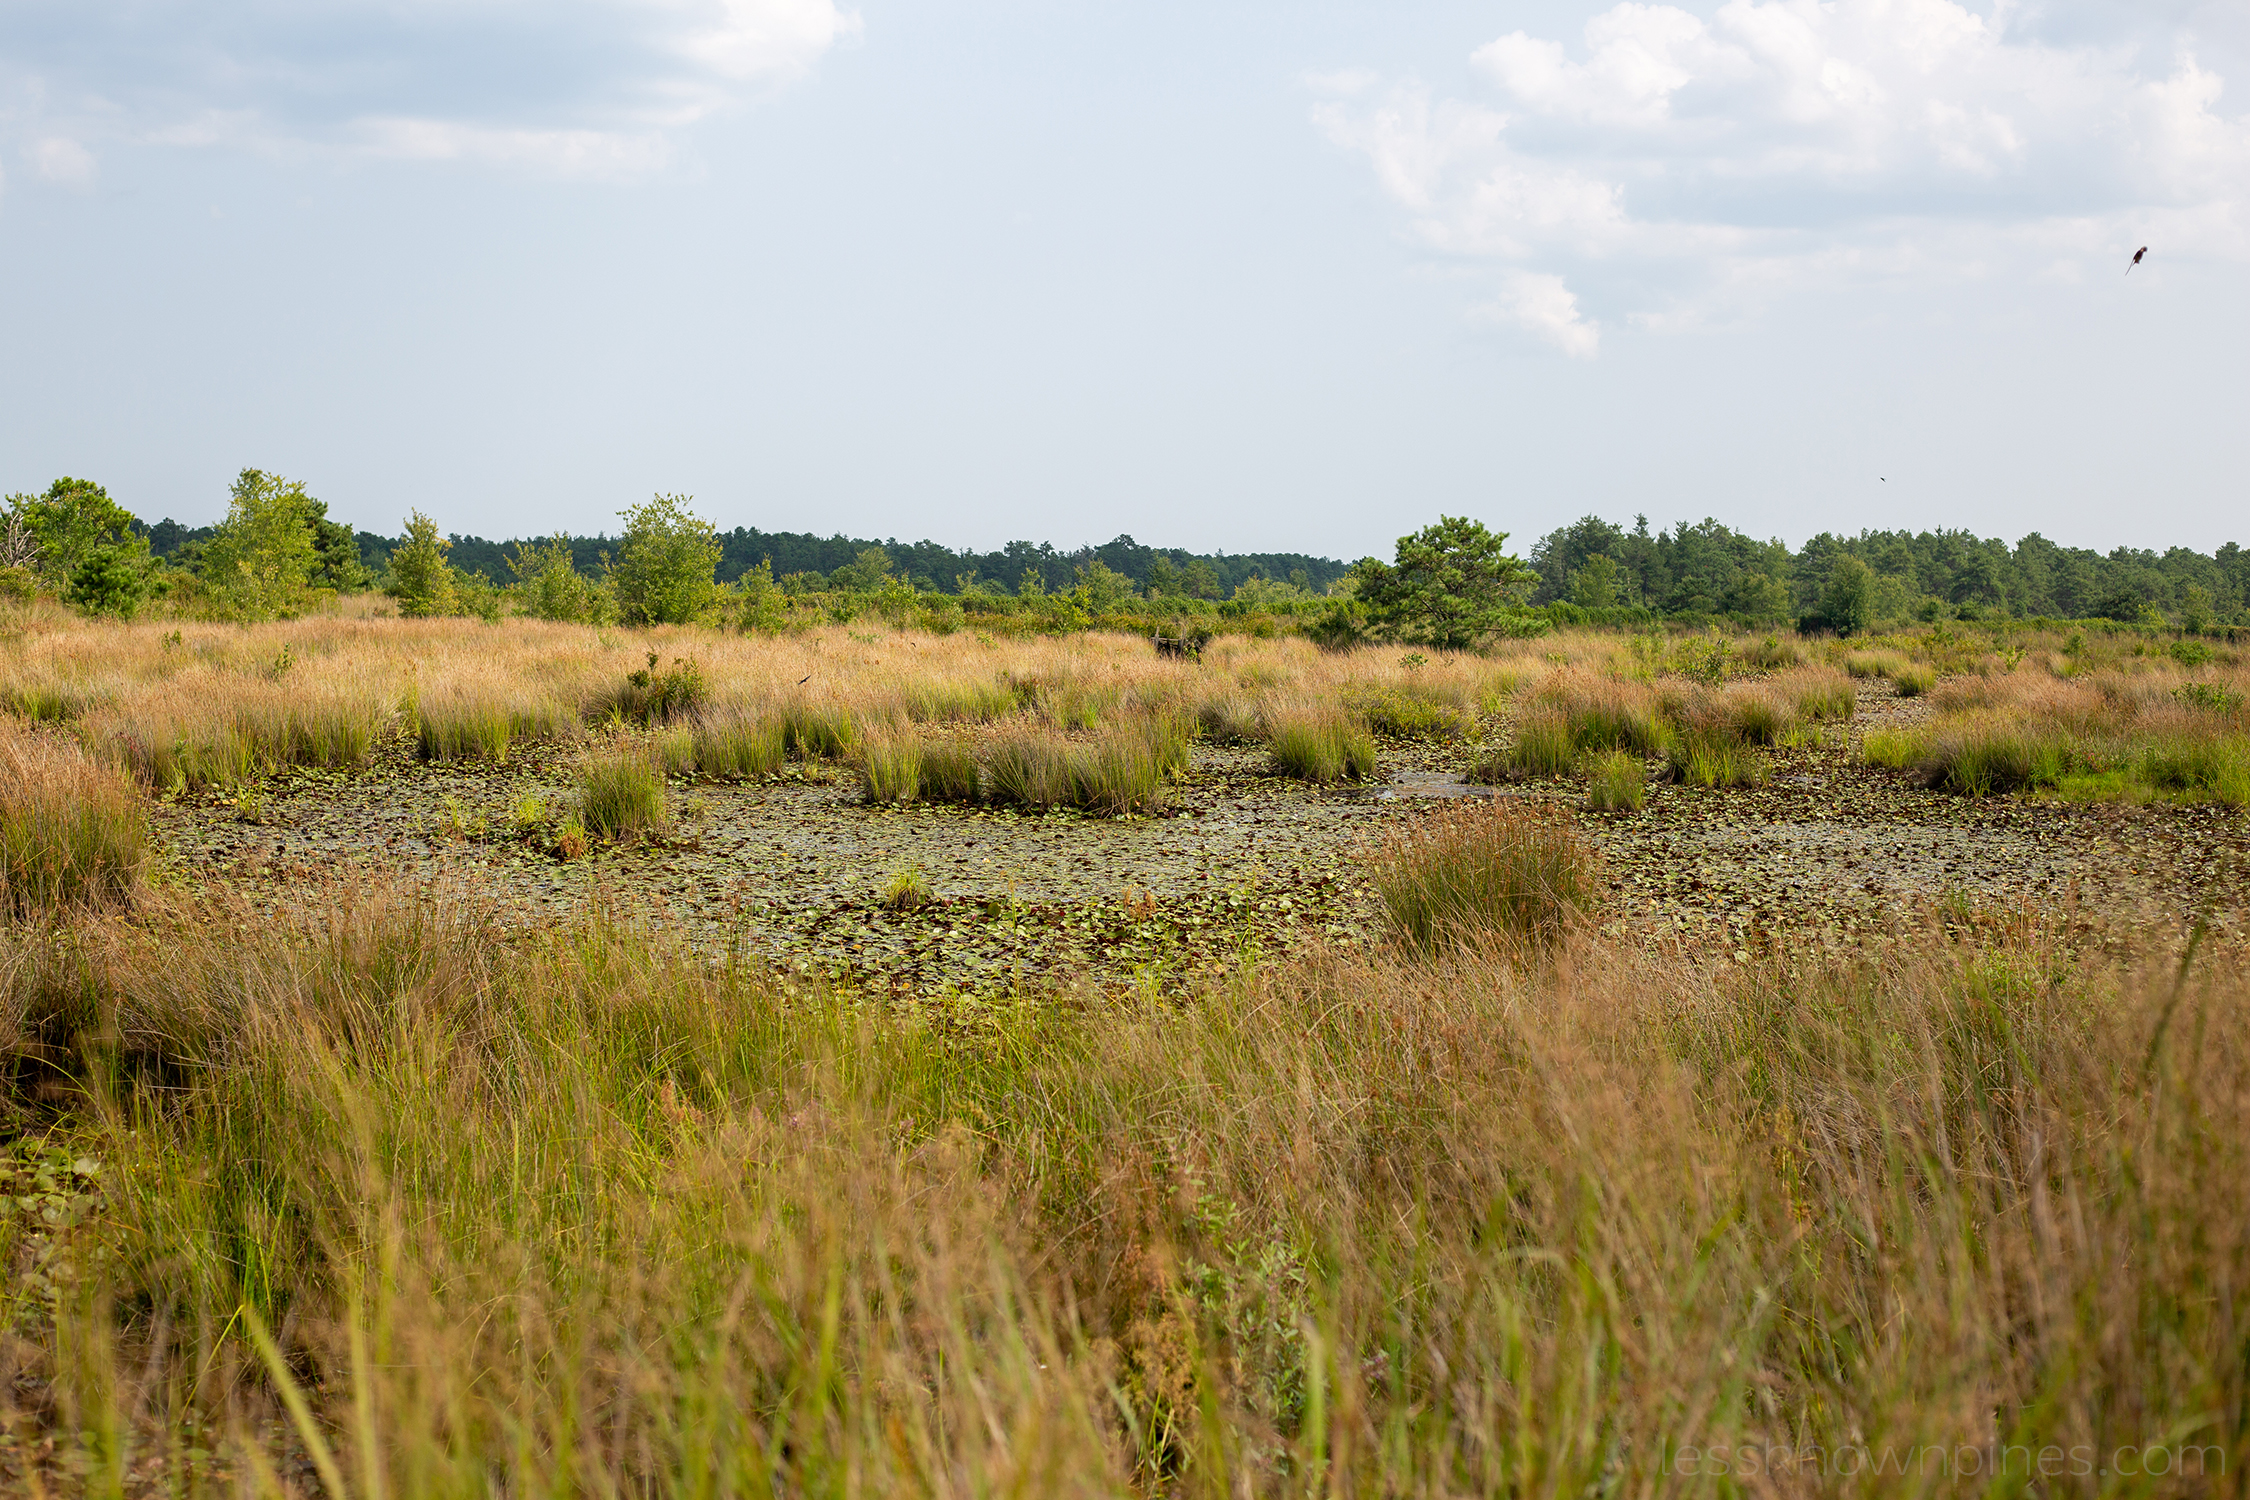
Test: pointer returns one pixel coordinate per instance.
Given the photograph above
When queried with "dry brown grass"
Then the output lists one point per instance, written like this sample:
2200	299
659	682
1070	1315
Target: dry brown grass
579	1211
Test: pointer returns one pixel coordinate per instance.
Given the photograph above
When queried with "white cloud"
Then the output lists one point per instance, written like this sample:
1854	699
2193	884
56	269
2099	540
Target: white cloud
58	158
1545	307
1679	165
599	88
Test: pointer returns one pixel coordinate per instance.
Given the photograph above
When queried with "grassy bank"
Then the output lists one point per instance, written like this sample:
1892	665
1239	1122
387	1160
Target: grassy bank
400	1203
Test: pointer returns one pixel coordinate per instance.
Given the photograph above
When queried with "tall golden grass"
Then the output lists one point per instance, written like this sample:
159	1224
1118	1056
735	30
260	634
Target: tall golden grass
72	833
394	1202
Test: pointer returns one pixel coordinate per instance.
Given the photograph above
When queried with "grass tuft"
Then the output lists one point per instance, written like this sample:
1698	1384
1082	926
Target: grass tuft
738	746
1710	758
1617	782
907	890
1029	770
621	795
890	767
949	772
1320	747
1487	870
73	835
1541	746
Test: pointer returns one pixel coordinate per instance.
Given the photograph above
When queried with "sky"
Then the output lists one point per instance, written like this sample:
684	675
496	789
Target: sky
1226	276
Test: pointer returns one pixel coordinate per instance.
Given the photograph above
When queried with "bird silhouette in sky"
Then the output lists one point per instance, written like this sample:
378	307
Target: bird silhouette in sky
2137	254
804	679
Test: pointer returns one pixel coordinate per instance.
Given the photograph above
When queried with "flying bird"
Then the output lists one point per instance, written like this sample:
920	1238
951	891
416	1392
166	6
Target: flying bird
2137	254
804	679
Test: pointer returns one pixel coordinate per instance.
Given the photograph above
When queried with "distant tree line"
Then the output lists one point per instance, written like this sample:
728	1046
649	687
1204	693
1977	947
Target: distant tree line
77	542
1710	569
928	566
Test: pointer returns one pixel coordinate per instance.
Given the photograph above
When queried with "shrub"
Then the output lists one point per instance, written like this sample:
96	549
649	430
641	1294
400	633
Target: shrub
1029	770
1321	747
1486	870
949	772
1704	757
1617	782
665	564
620	795
653	695
2214	697
550	585
890	768
737	746
72	834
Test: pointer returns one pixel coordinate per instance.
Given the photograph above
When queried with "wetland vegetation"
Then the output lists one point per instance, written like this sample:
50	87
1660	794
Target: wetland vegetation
854	1048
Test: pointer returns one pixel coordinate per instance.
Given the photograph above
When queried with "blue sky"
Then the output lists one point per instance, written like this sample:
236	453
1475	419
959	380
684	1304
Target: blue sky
1237	276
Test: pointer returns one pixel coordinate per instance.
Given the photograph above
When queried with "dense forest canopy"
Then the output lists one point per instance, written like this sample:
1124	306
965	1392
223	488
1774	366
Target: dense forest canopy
1691	570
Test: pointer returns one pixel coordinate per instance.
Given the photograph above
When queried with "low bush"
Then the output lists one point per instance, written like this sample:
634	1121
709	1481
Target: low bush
1409	716
1617	782
621	795
654	694
73	835
1486	870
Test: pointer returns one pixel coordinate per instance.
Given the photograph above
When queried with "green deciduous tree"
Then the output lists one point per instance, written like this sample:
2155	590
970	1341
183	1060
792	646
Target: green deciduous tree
1450	585
868	573
75	539
551	586
1101	588
666	570
1847	601
421	580
263	558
